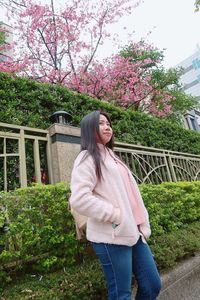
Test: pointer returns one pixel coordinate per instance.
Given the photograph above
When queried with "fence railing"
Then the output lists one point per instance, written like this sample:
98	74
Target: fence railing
151	165
21	146
25	152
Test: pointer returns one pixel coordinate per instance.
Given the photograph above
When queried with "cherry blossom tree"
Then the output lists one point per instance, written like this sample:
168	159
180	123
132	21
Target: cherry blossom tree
56	41
166	97
117	80
126	80
58	44
136	79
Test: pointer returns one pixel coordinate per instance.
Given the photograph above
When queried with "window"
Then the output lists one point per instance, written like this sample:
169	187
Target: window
196	63
193	123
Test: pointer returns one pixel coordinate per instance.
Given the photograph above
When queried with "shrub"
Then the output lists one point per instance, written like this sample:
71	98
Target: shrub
41	235
41	229
30	103
86	281
172	205
170	248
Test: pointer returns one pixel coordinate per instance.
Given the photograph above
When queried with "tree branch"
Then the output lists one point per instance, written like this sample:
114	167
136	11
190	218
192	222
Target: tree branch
49	51
55	35
97	44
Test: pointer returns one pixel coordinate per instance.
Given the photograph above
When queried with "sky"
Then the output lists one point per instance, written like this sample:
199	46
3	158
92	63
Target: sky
169	25
173	24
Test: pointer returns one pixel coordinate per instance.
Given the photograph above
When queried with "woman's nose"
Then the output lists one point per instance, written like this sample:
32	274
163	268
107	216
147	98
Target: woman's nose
108	128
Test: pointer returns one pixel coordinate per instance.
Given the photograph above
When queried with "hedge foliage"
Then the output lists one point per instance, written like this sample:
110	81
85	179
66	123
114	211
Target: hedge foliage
29	103
86	281
41	234
40	227
172	205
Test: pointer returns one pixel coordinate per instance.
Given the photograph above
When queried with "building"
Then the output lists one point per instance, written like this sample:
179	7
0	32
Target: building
8	53
190	79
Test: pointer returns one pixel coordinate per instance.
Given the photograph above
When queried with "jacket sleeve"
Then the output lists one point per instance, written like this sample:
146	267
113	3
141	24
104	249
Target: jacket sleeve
83	200
144	227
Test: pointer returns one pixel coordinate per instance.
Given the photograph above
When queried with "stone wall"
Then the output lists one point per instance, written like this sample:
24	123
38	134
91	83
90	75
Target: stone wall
65	146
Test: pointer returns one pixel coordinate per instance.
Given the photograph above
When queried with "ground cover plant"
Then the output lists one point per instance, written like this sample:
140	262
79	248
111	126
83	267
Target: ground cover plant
40	256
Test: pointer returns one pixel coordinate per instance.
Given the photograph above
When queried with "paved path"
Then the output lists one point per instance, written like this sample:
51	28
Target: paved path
182	283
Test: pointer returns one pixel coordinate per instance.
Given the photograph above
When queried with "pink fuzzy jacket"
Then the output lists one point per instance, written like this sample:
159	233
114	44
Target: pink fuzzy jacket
105	202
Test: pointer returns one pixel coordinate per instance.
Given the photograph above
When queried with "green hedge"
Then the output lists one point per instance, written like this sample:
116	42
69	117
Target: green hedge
41	233
41	229
86	281
29	103
172	205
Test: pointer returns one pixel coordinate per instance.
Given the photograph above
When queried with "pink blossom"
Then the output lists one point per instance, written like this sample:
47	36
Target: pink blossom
62	39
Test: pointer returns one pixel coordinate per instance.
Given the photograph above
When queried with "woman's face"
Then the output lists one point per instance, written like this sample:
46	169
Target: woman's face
105	131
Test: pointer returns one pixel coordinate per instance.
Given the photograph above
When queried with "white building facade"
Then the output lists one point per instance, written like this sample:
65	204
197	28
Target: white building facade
190	79
8	53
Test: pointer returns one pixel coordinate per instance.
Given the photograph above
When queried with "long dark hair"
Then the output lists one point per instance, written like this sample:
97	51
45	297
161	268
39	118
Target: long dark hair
90	135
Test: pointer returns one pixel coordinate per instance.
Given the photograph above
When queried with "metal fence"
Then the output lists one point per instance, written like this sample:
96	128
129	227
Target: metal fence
21	152
151	165
25	151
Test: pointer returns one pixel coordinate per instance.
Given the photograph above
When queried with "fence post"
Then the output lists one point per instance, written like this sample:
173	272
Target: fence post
49	159
23	173
5	166
171	168
65	146
36	154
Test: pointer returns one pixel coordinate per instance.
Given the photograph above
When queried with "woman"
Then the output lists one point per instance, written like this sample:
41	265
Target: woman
104	190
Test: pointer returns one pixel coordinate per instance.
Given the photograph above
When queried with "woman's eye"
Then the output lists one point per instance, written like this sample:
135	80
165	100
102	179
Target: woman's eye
102	123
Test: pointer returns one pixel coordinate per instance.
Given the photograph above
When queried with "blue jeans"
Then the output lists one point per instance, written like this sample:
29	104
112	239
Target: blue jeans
121	262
